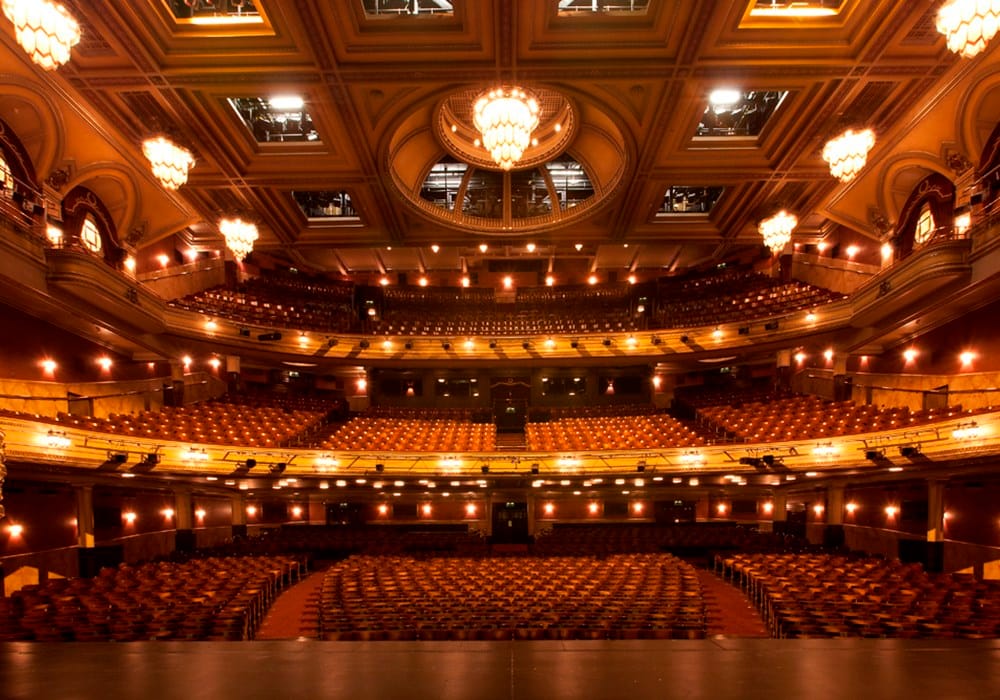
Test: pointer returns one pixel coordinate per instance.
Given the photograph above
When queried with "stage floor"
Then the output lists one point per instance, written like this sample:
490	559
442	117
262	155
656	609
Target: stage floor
712	669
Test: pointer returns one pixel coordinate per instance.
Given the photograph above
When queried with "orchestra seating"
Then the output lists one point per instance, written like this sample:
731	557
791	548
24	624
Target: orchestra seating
230	420
811	417
828	595
622	596
200	599
279	301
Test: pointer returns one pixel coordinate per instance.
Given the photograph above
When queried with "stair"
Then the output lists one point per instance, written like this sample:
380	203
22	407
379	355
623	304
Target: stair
512	441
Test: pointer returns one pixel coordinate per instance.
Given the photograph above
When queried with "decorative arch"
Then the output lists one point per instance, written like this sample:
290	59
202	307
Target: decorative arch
81	204
117	189
30	113
936	194
904	174
982	107
17	158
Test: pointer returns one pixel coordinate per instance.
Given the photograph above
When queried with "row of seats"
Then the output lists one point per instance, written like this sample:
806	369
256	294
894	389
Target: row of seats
200	599
214	422
600	540
811	417
827	595
411	435
627	596
658	430
765	302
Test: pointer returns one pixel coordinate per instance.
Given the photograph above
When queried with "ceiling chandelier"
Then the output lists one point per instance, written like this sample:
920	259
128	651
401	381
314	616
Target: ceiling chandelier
170	162
848	153
777	230
44	29
968	24
506	117
240	236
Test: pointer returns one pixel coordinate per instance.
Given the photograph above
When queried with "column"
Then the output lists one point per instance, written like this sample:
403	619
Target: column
184	539
779	513
531	514
833	533
85	516
239	515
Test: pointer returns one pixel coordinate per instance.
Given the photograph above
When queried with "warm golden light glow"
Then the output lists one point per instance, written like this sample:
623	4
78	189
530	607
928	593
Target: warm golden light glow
129	517
44	29
851	507
506	117
105	363
767	507
967	357
968	25
470	509
549	508
891	511
910	354
240	236
296	511
848	153
170	162
200	514
15	530
777	230
251	510
593	508
426	509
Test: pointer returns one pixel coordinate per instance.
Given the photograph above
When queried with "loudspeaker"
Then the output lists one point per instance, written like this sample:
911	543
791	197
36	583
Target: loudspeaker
408	345
744	330
485	469
771	326
574	344
909	451
277	468
607	342
251	463
269	336
380	468
526	345
118	457
446	345
684	338
363	344
493	345
245	332
534	468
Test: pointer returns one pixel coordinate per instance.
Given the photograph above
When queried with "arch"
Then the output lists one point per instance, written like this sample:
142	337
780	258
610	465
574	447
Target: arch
81	204
37	122
981	113
936	194
117	189
901	175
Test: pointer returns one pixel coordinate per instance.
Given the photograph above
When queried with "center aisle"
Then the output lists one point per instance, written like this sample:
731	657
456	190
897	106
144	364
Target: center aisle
293	615
730	614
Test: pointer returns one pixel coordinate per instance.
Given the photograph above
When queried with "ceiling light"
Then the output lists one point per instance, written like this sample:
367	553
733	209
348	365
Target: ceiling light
777	230
506	117
240	236
44	29
286	102
967	25
724	97
848	153
169	161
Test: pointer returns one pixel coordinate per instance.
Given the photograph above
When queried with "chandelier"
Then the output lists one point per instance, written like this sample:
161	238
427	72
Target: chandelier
848	153
170	162
968	24
44	29
777	230
506	117
239	235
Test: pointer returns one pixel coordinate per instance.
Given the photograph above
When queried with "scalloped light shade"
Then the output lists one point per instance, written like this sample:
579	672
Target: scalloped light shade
44	29
968	25
777	230
240	236
170	162
506	117
848	153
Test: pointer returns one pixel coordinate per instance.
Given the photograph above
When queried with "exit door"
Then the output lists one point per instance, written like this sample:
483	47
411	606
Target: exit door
510	523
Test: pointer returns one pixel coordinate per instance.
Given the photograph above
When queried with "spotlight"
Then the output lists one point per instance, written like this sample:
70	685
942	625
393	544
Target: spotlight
380	468
607	342
493	345
446	345
641	466
875	455
364	344
146	464
744	330
574	343
909	451
408	345
526	345
245	332
331	342
277	468
656	340
534	467
115	460
684	338
771	326
485	469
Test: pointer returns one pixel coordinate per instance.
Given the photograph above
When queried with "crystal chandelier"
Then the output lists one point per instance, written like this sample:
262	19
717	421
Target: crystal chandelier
968	24
170	162
777	230
239	235
848	153
506	117
44	29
